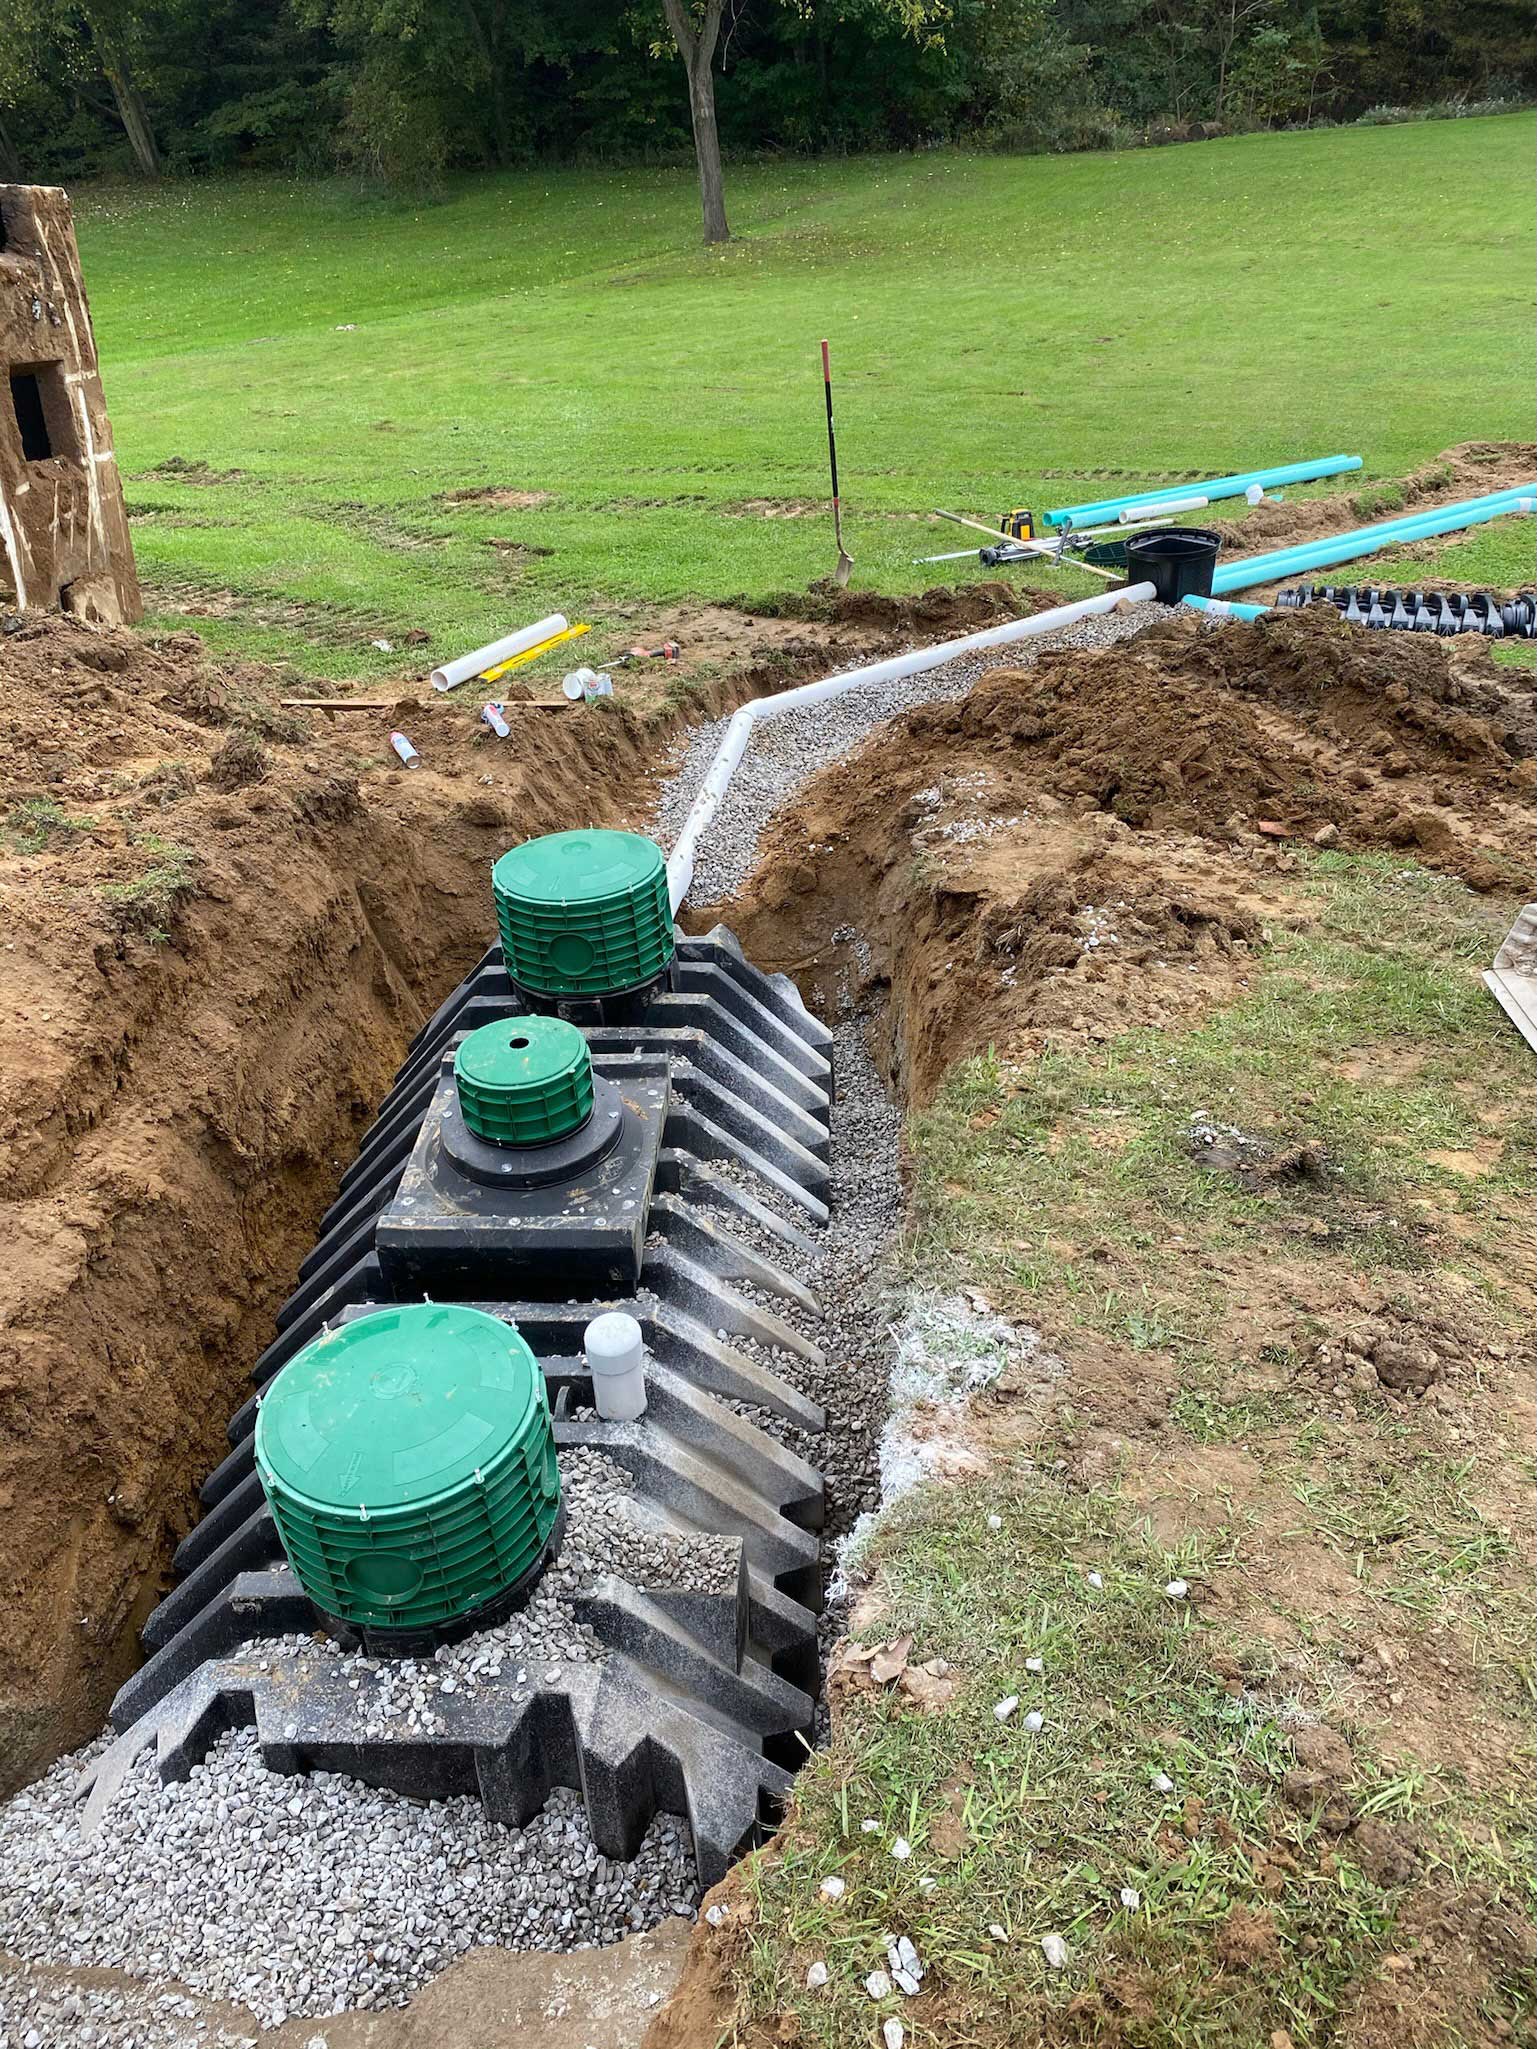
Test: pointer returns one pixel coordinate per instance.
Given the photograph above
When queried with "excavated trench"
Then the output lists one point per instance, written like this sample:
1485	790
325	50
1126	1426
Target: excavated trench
223	925
1097	840
1045	853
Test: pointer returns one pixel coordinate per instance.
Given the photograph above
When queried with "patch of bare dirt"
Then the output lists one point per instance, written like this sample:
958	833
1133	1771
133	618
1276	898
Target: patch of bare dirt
178	469
943	612
496	498
1434	1986
776	508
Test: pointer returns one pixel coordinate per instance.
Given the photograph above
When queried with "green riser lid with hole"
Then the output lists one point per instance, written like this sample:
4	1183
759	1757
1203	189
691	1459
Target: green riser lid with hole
583	913
409	1462
524	1081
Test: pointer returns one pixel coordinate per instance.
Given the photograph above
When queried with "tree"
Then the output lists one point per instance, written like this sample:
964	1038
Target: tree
83	44
695	26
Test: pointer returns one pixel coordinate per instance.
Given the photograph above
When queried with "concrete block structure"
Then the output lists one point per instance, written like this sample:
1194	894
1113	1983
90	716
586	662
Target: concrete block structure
63	528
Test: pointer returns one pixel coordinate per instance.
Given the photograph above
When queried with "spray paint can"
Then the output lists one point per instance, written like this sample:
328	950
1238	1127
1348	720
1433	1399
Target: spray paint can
408	754
491	715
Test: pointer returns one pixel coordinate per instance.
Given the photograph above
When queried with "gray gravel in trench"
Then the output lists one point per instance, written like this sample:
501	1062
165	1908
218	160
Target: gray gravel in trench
314	1895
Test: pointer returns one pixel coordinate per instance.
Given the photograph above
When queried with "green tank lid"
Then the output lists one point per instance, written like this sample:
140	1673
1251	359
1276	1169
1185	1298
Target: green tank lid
583	913
524	1080
409	1463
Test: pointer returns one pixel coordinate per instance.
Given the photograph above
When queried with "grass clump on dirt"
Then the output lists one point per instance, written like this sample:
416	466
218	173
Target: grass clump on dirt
36	823
147	904
1280	1255
1144	1824
1074	1178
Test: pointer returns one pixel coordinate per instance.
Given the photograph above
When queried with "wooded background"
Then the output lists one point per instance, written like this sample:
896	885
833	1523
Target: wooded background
400	91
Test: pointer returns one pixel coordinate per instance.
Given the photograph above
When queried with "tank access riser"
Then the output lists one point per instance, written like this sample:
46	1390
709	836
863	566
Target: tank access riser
699	1701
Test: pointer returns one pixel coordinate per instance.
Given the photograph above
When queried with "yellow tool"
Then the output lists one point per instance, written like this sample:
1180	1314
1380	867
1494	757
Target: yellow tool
1019	525
531	654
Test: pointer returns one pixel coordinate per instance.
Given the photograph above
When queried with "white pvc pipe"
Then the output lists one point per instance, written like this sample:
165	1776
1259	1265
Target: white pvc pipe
1136	515
615	1349
452	674
680	862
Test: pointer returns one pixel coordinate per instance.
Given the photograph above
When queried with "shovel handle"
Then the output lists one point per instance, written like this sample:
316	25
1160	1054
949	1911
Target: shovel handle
832	446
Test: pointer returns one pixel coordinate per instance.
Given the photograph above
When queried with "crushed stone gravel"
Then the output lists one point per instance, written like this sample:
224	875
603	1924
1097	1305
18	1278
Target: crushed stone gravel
310	1895
317	1895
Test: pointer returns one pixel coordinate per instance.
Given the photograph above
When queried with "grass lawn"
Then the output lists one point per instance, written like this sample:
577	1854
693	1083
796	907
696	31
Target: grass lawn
1005	331
1204	1896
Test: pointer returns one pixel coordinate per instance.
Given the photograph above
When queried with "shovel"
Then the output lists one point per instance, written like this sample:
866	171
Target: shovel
845	560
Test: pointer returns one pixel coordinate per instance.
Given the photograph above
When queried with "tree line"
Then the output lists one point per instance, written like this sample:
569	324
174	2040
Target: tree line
402	91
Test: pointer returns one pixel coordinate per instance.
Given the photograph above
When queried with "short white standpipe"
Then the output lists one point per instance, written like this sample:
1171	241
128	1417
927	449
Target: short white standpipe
616	1357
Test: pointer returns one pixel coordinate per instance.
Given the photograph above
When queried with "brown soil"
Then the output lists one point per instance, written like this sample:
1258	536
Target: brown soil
496	498
1140	798
1467	471
222	922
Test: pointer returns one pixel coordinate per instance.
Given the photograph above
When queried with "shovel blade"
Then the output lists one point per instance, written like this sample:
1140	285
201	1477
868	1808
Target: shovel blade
844	571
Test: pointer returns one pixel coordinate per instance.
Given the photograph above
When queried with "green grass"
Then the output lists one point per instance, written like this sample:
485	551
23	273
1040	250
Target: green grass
147	904
1002	328
1064	1181
1066	1188
1017	1835
36	822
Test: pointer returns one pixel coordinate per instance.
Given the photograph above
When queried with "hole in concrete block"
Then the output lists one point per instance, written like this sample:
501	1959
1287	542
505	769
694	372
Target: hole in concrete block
41	406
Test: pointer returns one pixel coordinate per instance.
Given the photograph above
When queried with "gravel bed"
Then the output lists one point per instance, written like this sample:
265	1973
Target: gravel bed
786	750
314	1895
309	1895
39	2011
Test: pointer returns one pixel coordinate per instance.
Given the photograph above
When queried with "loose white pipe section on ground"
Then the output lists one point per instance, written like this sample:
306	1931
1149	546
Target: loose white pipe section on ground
1135	515
452	674
680	862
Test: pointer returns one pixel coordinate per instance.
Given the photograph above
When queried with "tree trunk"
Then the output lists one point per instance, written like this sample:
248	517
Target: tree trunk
697	49
489	46
133	114
10	156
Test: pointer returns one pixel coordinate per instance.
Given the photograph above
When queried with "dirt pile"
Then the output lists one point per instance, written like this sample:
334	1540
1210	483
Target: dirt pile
1304	728
1096	842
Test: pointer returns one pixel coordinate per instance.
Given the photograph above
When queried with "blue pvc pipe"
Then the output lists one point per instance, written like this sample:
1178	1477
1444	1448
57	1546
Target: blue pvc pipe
1282	563
1222	608
1215	487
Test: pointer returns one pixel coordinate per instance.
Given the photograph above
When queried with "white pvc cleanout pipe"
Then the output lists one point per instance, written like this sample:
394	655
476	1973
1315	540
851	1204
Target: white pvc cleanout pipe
452	674
680	862
1134	515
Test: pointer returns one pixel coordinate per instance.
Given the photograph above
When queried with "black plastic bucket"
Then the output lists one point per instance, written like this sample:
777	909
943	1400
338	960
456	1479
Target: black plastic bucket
1178	561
